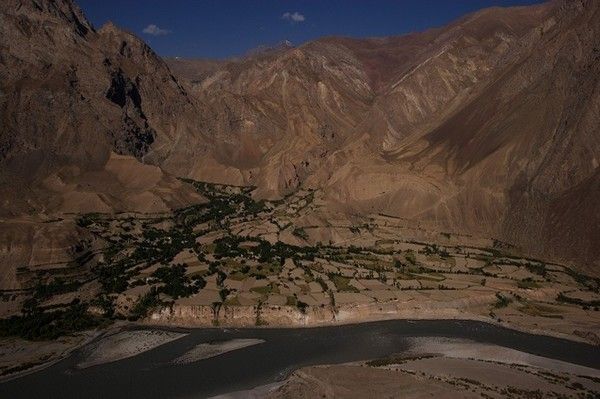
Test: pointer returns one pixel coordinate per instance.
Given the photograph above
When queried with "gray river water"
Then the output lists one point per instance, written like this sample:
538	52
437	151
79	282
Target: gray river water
152	374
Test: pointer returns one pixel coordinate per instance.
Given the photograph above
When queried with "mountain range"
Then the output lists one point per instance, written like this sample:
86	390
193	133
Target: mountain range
488	126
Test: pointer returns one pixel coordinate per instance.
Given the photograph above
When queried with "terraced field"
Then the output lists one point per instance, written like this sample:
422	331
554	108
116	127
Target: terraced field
240	262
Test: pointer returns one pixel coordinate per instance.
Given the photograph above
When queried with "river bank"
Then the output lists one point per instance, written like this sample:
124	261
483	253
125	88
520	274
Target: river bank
575	327
235	366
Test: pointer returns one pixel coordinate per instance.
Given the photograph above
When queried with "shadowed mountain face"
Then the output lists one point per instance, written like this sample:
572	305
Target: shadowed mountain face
489	126
70	97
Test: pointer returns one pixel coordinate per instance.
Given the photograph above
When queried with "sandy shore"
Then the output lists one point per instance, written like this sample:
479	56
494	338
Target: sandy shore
466	349
126	344
256	393
205	351
448	368
33	353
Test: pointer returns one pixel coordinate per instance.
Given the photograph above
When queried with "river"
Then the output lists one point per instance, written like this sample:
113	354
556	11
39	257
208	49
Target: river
153	375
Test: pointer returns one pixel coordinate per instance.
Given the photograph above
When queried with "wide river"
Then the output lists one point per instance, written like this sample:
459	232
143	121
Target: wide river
153	375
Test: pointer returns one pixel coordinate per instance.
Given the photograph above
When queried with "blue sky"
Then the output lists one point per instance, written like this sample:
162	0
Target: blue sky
226	28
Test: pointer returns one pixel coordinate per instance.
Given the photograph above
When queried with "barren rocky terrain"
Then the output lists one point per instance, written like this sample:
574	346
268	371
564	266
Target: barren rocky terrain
486	126
452	173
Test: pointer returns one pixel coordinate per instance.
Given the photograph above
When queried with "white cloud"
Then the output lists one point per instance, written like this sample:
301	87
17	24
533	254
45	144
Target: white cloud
155	30
293	17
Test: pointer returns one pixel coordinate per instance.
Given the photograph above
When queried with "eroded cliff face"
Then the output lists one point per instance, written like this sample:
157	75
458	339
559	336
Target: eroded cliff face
473	307
312	316
242	316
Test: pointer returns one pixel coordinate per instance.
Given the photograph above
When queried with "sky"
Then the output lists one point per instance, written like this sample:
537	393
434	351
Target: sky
230	28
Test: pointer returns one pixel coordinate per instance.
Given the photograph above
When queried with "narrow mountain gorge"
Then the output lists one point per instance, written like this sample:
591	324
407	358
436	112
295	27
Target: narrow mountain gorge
486	127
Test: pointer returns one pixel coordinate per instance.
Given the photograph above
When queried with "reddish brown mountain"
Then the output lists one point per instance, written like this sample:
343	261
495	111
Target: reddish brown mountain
71	96
489	126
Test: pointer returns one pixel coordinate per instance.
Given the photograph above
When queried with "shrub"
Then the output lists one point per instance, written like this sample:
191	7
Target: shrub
145	304
527	283
300	232
502	301
410	257
301	306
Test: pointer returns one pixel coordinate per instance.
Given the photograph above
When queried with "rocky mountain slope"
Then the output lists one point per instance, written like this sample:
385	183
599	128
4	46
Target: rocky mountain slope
488	126
71	96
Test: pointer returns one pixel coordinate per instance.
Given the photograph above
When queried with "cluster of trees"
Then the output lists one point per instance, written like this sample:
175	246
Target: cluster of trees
176	283
433	249
37	324
221	204
56	286
264	251
155	246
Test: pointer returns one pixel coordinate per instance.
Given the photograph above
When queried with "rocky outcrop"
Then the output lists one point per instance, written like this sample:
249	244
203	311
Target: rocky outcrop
288	316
